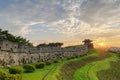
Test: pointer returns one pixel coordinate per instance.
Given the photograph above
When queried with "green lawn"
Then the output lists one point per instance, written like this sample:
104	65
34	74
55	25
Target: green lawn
53	69
38	74
89	71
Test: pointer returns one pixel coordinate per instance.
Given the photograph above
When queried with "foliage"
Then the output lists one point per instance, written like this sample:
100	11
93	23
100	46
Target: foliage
48	63
4	75
42	45
15	70
40	73
76	46
28	68
68	58
57	44
39	65
4	34
55	61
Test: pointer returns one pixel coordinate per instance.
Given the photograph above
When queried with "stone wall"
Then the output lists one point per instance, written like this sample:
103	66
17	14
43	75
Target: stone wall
114	49
9	58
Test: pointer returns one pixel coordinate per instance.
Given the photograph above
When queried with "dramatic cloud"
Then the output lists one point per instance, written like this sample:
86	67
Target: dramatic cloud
68	19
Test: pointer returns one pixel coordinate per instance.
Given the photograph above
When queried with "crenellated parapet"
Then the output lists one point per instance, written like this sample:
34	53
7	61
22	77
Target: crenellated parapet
14	54
10	58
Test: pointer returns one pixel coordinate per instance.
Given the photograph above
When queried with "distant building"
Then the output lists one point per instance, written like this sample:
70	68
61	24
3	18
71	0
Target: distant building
88	43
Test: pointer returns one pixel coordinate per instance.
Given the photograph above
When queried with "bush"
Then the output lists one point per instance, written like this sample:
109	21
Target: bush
28	68
15	70
76	56
82	55
40	65
68	58
48	63
4	75
72	57
55	61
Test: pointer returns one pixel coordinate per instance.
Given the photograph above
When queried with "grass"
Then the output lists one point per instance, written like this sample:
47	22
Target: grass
68	69
52	70
38	74
89	71
55	73
113	73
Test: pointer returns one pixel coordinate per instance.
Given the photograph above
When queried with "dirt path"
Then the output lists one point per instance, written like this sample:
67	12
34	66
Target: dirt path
51	70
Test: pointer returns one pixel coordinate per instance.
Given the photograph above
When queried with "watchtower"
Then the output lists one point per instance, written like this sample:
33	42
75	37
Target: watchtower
88	43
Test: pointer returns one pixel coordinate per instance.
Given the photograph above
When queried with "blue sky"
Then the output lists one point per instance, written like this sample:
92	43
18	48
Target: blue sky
68	21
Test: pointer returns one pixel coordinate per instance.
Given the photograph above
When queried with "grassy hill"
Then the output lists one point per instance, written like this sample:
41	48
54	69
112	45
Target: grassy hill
89	71
93	66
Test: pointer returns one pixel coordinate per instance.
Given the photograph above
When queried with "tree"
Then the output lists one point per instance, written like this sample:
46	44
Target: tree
52	44
4	34
58	44
42	45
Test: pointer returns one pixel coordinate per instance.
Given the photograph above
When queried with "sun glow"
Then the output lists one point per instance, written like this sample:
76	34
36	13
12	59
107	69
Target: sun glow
102	44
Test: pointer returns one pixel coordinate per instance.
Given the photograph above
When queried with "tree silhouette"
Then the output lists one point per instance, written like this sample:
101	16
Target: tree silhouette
5	35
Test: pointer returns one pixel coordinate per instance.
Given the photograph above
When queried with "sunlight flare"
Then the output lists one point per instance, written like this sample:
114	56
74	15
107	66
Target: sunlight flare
102	44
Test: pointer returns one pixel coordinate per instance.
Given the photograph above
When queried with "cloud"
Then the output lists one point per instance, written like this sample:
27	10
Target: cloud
73	19
100	11
25	30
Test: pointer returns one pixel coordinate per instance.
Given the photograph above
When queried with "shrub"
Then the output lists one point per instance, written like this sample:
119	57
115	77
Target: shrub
28	68
15	70
40	65
68	58
48	63
72	57
14	77
82	55
76	56
4	75
55	61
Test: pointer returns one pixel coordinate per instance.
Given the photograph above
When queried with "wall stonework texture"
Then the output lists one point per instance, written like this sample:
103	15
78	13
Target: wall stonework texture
8	58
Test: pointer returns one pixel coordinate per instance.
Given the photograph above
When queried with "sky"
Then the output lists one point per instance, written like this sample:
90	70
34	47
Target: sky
67	21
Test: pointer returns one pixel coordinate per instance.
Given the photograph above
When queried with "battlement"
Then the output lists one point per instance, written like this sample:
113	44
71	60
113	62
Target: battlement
14	54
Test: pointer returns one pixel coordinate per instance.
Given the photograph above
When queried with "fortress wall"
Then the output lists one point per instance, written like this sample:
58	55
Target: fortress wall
114	49
9	58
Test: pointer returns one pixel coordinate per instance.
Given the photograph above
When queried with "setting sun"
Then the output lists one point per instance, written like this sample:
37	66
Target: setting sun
101	44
